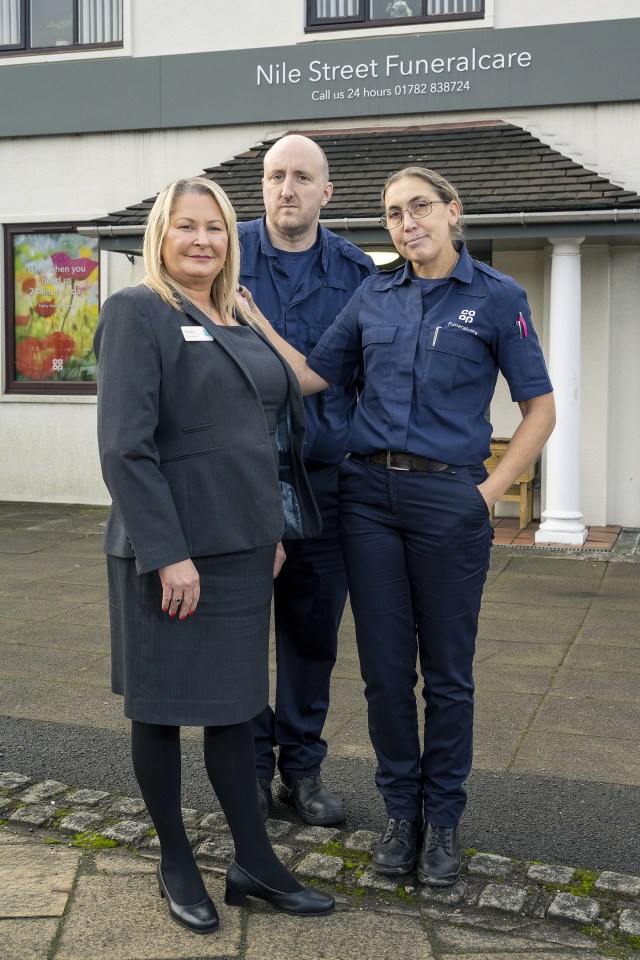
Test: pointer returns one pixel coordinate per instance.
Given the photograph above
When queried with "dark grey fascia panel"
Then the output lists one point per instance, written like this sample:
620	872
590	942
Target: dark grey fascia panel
131	245
421	75
83	97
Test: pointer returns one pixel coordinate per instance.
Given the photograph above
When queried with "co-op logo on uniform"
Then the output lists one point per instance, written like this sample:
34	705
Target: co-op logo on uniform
467	316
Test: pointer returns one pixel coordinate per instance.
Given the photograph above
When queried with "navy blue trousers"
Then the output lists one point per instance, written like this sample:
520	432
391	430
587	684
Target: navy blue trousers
309	598
416	546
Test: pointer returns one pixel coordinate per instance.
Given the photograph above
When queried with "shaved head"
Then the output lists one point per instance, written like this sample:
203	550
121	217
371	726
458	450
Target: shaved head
295	142
295	188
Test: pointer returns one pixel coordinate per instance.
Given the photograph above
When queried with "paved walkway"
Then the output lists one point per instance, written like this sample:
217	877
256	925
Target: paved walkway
557	678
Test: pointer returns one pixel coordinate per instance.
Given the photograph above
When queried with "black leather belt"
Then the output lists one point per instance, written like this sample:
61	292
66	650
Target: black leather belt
395	460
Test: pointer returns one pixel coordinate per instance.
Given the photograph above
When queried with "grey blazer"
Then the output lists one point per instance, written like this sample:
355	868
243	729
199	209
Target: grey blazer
183	440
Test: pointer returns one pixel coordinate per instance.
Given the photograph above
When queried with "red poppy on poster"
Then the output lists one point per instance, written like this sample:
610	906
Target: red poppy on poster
55	306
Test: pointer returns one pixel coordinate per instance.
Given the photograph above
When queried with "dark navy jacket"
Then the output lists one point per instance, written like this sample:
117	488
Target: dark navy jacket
431	361
322	293
183	439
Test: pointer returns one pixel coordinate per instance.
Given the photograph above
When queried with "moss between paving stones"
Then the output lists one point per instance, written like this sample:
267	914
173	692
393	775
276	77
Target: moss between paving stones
92	841
582	886
352	859
614	944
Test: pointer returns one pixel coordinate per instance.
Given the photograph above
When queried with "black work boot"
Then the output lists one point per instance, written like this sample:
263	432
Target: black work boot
313	801
439	863
396	851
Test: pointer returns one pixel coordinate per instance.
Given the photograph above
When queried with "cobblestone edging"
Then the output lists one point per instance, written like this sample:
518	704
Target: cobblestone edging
603	904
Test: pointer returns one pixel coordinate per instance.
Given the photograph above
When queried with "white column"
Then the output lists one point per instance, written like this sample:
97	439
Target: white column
562	518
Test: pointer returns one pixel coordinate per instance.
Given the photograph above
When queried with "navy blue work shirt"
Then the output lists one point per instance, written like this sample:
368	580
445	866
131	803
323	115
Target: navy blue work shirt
431	359
336	271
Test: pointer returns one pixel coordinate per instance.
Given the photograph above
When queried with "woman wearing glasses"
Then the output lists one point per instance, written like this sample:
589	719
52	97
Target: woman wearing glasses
415	497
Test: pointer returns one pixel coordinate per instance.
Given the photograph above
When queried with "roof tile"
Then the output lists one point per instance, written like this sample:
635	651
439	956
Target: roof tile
496	167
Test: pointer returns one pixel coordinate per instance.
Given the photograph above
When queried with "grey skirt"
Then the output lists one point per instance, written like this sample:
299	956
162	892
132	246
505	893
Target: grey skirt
207	670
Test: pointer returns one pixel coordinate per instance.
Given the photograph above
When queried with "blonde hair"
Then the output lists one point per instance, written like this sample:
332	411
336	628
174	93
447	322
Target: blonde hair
225	284
445	190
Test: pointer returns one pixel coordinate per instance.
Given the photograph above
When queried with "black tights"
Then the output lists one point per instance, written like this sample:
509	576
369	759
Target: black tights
230	762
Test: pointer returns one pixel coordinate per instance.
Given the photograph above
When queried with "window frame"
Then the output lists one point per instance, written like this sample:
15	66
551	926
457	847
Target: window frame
23	49
315	24
12	385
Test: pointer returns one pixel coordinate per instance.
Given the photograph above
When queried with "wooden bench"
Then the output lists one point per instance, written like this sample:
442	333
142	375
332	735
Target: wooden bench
521	491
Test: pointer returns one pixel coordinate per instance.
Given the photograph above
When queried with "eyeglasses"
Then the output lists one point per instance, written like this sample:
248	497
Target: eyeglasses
417	210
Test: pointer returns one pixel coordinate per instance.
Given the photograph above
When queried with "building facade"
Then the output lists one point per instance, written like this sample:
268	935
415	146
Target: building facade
108	100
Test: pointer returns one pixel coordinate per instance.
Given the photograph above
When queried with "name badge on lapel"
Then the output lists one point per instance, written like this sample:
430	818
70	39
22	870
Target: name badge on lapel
196	333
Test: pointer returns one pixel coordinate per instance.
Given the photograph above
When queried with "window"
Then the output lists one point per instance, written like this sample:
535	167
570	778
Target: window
52	309
59	24
336	14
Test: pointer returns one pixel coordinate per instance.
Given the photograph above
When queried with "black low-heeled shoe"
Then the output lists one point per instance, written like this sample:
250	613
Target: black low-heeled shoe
199	917
307	902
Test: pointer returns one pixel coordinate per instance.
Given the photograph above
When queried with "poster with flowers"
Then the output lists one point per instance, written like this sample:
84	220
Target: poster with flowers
56	304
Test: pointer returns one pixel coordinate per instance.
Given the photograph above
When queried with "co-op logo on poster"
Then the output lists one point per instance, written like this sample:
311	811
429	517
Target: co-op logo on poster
467	316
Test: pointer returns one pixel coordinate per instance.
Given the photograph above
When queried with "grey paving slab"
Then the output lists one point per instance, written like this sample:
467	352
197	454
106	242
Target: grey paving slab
366	935
494	747
531	954
610	627
535	567
624	590
63	594
347	696
91	574
13	839
571	715
516	609
599	684
622	571
27	938
592	656
521	654
36	880
62	636
621	600
586	757
462	940
557	593
507	711
132	923
38	566
119	863
26	661
351	740
62	703
25	541
89	614
37	609
496	624
88	547
499	677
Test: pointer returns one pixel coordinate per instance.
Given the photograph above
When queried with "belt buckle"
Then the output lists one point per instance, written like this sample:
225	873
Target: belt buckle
390	465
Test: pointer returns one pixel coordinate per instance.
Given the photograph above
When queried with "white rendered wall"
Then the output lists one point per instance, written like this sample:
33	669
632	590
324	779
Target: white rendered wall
48	448
199	25
623	452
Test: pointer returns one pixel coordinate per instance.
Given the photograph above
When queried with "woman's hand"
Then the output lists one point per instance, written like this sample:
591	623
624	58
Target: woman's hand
488	498
180	588
244	299
279	559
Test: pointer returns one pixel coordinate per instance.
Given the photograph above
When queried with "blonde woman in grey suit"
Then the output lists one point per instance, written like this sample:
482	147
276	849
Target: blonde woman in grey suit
200	431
